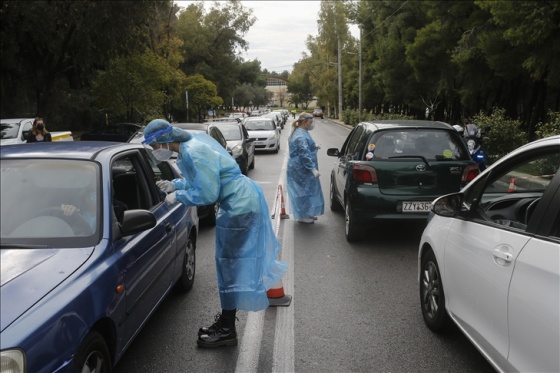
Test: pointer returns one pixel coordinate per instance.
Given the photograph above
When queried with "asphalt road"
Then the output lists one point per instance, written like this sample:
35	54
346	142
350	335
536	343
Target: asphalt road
355	307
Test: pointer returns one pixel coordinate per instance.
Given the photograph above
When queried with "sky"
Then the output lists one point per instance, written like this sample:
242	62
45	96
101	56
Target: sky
277	38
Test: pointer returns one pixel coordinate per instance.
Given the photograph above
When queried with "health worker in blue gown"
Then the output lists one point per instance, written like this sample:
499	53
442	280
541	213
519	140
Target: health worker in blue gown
304	186
246	247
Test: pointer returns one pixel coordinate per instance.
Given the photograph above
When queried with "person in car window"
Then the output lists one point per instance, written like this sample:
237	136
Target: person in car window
304	187
39	132
246	247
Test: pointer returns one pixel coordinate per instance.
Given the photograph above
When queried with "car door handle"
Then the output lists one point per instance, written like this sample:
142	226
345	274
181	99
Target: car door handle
168	227
502	255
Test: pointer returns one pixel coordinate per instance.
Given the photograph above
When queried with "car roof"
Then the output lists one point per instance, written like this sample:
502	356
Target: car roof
376	125
193	126
63	149
226	123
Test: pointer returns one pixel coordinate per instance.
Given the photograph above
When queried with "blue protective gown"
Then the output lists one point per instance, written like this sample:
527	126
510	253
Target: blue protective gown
304	189
246	247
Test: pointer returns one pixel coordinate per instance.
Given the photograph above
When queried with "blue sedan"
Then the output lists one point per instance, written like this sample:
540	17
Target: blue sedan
89	249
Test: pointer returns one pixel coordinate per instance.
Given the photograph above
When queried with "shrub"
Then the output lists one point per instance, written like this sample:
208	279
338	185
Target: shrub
500	135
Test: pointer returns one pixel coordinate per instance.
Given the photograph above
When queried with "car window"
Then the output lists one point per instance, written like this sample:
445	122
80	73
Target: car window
9	130
431	144
261	125
50	202
353	150
230	132
509	197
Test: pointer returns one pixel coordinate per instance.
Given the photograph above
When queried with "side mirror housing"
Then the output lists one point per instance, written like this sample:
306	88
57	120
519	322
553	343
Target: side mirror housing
333	152
448	205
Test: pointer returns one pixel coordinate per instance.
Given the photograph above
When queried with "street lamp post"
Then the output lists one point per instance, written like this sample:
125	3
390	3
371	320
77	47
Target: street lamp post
339	79
360	77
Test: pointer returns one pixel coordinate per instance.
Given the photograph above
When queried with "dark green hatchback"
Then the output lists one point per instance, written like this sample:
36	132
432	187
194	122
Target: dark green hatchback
394	169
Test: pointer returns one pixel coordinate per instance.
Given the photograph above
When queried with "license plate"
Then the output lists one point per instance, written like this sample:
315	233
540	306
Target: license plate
259	143
411	206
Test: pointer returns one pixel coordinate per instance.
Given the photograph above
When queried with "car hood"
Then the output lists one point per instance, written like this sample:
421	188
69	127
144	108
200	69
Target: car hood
260	134
29	274
233	143
8	141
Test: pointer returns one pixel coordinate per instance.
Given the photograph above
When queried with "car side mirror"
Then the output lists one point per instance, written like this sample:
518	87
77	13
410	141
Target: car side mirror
448	205
136	221
333	152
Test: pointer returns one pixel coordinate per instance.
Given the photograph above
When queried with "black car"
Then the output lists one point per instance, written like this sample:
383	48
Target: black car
394	169
206	214
242	147
119	132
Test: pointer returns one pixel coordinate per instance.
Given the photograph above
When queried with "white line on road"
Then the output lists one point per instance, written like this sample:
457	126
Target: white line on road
283	354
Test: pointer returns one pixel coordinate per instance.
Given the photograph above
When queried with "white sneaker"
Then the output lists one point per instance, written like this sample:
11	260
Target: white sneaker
306	220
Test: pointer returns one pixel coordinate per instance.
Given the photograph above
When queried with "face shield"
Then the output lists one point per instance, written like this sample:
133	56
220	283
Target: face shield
160	154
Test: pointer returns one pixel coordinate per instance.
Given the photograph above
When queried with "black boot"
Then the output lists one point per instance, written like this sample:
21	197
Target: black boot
221	333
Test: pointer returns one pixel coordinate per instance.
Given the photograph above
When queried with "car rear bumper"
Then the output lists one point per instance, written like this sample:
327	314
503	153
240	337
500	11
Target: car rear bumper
369	203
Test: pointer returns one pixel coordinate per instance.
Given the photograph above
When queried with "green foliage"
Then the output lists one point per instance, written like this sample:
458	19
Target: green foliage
350	116
133	85
550	128
203	94
500	135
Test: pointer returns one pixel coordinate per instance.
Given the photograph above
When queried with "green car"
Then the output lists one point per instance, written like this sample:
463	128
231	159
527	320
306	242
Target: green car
394	169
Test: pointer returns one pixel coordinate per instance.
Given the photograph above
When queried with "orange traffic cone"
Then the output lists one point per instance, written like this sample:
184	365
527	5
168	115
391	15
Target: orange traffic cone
512	188
277	297
283	214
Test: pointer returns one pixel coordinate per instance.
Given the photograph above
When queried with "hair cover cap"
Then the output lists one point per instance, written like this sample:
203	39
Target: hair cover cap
161	131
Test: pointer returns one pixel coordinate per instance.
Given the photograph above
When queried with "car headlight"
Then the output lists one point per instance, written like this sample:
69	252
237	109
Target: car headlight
272	136
237	150
12	361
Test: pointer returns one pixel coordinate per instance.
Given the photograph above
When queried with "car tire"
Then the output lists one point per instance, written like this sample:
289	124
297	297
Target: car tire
93	355
352	230
432	296
335	205
186	281
252	165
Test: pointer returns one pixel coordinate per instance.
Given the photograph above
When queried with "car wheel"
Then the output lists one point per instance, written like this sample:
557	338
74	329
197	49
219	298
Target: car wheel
93	355
252	165
335	205
432	297
353	233
186	281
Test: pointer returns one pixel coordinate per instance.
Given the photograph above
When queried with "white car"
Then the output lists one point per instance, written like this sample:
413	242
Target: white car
265	132
489	260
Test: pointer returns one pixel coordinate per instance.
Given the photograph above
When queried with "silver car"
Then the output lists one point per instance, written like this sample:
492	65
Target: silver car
265	133
489	260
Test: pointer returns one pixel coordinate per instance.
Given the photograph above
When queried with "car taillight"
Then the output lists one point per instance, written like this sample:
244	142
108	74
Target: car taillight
469	173
364	174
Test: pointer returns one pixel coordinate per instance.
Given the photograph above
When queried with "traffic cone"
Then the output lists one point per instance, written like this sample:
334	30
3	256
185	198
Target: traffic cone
512	188
277	297
283	214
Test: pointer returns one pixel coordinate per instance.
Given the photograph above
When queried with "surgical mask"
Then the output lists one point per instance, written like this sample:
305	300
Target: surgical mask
40	127
162	154
311	126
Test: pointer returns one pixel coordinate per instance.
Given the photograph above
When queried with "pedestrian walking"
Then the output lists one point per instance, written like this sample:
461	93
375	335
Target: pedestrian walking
246	247
304	186
39	132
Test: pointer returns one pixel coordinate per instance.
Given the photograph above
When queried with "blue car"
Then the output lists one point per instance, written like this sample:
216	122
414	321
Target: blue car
89	249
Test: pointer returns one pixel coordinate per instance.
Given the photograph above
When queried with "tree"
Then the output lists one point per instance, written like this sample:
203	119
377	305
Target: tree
203	94
133	86
213	41
51	49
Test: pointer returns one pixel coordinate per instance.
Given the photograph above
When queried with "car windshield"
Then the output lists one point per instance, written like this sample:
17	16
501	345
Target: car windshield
430	144
261	125
36	195
9	130
230	132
